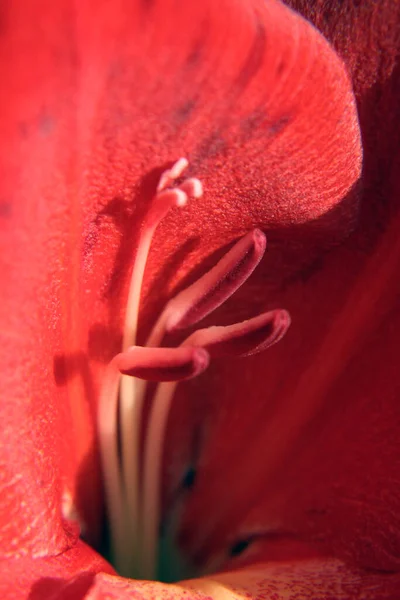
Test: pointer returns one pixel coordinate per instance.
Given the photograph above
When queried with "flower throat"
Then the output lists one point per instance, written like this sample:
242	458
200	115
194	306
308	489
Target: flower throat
132	485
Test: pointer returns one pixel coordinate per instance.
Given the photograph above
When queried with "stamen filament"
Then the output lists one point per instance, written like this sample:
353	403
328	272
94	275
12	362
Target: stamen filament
151	497
153	364
107	427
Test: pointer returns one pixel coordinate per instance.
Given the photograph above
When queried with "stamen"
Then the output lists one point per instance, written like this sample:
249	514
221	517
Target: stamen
245	338
213	288
133	502
107	427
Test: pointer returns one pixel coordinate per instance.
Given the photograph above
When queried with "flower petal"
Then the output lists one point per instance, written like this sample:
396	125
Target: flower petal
256	99
322	443
67	576
367	39
284	580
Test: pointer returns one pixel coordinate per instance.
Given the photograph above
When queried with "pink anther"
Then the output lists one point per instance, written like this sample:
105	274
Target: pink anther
162	364
245	338
218	284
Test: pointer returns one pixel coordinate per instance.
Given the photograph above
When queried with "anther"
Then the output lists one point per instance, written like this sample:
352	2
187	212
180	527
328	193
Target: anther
216	286
162	364
245	338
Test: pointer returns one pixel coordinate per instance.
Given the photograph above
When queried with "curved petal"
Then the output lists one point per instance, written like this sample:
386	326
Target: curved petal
316	450
79	574
367	38
263	108
291	580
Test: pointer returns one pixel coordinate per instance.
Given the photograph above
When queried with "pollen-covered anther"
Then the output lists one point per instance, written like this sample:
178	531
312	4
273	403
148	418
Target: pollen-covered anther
242	339
217	285
162	364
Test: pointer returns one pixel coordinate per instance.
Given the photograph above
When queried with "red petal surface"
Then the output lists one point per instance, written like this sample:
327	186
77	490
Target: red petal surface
300	580
95	101
319	423
67	577
75	576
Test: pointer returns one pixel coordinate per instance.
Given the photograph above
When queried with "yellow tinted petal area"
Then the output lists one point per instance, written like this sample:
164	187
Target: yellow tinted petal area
308	579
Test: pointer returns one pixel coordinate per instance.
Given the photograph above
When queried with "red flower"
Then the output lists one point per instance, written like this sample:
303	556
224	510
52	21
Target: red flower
296	448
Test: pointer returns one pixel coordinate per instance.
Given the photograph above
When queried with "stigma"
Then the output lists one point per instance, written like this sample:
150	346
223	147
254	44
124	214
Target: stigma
132	480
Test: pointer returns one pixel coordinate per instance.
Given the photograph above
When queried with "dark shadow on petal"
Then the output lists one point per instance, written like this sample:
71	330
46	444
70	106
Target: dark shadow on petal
125	215
102	340
5	209
53	588
159	288
183	112
65	367
253	61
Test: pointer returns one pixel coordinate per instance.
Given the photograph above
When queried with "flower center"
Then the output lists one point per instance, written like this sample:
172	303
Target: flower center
132	485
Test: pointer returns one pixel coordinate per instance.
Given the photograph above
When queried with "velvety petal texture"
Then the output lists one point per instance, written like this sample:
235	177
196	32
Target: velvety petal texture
97	98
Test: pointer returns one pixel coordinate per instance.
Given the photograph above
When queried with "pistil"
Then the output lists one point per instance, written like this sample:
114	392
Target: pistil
133	495
132	394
